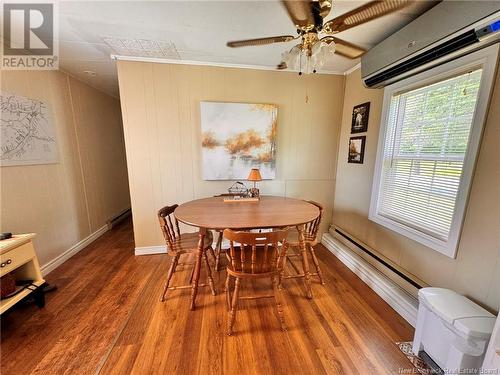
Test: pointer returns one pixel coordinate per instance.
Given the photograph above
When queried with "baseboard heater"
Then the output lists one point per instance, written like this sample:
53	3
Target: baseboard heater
119	218
379	259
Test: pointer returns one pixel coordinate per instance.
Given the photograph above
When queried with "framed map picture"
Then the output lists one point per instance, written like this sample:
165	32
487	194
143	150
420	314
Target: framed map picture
26	132
236	137
356	150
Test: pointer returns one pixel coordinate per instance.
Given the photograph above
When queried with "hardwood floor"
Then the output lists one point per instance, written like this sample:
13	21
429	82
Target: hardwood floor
106	318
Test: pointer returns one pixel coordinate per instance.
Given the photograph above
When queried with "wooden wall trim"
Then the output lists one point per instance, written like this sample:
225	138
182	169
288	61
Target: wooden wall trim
150	250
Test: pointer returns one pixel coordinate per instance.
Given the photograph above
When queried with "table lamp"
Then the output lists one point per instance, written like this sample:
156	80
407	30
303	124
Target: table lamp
254	176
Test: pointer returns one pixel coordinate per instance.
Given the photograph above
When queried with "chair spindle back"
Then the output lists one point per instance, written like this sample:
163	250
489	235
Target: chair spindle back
311	230
169	227
254	253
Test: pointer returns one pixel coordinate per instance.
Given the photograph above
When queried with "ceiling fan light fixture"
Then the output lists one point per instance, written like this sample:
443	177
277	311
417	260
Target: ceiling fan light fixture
292	58
328	49
309	59
318	42
322	52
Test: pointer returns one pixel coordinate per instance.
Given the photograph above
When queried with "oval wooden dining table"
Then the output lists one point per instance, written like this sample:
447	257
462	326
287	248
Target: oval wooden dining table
269	212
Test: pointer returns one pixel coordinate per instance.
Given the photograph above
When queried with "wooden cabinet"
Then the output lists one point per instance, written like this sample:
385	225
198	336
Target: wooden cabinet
18	257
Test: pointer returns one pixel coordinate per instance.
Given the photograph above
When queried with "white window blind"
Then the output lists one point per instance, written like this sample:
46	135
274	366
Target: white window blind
429	138
426	142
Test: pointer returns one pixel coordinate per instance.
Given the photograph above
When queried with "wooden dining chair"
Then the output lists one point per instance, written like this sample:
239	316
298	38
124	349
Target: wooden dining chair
310	238
254	256
180	244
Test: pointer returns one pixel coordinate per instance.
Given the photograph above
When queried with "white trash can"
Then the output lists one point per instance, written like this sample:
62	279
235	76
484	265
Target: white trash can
452	330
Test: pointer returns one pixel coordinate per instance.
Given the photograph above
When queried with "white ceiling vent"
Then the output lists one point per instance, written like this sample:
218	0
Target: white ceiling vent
141	47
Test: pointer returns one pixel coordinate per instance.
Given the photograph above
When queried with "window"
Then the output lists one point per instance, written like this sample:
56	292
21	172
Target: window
430	133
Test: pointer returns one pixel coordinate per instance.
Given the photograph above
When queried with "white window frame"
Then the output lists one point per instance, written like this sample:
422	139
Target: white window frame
486	59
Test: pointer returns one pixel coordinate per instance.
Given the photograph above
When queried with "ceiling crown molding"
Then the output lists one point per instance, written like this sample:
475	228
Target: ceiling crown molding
209	63
354	68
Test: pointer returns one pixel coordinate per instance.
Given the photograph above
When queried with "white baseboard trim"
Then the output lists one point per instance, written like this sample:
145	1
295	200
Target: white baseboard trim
149	250
399	299
56	262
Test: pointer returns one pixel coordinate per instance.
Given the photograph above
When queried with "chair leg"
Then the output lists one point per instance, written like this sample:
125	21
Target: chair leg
191	277
279	304
316	263
282	273
234	306
305	262
209	273
218	247
212	253
171	271
197	266
228	292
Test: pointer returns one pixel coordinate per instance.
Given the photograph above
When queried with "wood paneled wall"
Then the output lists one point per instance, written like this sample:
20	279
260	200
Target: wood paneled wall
66	202
476	270
161	115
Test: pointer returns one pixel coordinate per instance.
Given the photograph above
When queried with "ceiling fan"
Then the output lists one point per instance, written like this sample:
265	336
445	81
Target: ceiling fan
317	40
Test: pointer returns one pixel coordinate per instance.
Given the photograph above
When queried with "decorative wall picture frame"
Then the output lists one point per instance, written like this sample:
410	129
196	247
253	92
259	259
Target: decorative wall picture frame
360	116
236	137
27	132
356	151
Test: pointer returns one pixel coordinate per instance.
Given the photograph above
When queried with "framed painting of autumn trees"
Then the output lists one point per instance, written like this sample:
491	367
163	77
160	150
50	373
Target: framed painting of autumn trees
236	137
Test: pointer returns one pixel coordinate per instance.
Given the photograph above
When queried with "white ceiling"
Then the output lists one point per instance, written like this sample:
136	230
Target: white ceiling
199	30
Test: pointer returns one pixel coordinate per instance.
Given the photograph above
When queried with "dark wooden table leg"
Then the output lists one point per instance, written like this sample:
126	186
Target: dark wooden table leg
305	261
197	266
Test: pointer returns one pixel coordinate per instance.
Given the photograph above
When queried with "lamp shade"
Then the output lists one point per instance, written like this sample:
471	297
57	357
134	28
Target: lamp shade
254	175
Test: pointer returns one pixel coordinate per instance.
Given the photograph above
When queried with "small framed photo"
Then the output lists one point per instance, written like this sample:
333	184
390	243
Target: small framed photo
356	150
360	115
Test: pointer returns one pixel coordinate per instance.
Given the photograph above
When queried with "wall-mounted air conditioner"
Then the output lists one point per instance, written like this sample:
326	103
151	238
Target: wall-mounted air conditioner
445	32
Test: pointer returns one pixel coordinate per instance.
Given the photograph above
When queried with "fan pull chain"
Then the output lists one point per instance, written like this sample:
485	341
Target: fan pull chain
300	64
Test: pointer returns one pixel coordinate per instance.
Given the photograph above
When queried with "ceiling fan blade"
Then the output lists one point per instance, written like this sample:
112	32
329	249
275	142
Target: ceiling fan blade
300	11
260	41
346	49
364	13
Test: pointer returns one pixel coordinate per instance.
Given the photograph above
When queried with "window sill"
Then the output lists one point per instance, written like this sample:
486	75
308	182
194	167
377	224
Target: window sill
448	248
